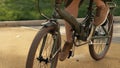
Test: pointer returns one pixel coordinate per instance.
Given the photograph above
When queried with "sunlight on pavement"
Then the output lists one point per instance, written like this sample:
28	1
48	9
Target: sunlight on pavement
16	41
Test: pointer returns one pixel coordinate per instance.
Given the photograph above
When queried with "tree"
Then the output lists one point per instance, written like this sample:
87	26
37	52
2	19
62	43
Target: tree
17	10
27	10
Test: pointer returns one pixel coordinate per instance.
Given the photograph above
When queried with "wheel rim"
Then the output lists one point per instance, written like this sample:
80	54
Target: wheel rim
45	54
101	45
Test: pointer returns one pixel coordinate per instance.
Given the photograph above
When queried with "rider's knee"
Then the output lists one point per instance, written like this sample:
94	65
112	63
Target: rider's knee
99	3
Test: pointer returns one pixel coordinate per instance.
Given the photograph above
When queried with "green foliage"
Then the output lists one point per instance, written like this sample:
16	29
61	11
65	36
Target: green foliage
18	10
117	9
27	10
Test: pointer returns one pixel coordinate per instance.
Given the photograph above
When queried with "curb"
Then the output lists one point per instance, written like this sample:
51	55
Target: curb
38	22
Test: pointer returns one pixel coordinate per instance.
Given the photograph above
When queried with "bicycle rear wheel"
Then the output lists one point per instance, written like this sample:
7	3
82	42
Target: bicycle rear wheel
44	49
102	39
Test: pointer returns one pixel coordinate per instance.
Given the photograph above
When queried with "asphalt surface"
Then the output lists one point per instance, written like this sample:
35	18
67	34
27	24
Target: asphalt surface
116	32
16	41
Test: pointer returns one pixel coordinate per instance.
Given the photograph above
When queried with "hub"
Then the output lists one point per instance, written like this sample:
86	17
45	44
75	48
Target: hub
41	59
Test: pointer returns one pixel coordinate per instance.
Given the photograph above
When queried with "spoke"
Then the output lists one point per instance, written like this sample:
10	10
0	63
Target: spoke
100	50
46	51
99	45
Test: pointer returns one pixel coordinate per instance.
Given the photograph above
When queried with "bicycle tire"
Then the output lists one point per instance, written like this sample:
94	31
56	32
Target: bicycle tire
101	54
42	34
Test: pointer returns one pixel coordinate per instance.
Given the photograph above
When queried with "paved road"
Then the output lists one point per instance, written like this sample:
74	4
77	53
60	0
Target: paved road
15	43
116	33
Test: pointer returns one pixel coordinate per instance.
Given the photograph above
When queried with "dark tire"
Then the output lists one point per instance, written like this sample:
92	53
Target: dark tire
100	46
43	48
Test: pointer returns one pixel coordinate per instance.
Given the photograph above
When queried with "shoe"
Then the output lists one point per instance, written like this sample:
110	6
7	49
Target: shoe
65	51
101	15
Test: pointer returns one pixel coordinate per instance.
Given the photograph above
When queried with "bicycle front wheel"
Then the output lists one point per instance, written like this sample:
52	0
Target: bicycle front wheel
101	39
44	49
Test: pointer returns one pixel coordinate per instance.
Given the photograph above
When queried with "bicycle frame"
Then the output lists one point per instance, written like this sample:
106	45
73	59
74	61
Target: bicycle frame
77	27
52	27
69	18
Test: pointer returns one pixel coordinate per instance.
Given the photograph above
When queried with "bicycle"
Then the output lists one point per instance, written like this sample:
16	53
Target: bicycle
46	45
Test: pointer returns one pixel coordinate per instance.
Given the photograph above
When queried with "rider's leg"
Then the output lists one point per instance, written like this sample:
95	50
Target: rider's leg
101	12
72	8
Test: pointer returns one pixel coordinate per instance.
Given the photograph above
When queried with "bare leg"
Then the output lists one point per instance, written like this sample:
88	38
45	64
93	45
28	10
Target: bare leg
99	3
73	10
101	12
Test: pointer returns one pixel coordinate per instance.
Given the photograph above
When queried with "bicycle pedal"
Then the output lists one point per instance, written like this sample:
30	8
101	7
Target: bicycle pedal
70	54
